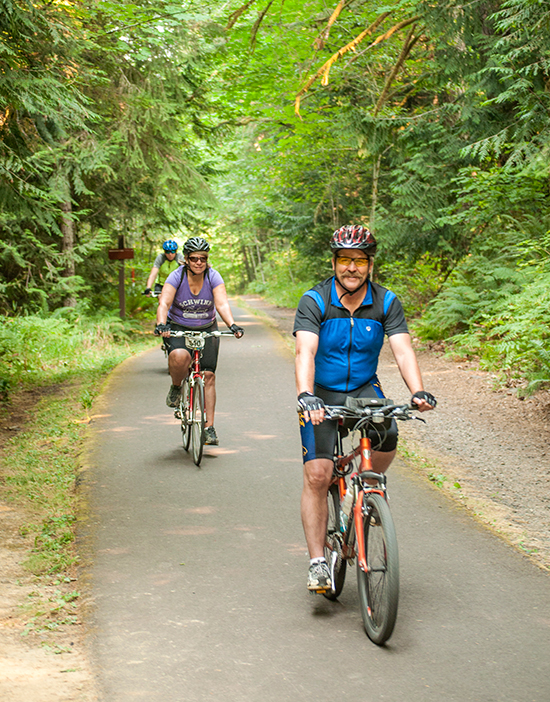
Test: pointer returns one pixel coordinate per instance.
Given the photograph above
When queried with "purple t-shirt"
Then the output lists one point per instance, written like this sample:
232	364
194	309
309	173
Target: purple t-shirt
193	310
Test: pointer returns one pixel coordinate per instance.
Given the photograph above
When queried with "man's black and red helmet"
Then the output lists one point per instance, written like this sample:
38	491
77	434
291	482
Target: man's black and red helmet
353	236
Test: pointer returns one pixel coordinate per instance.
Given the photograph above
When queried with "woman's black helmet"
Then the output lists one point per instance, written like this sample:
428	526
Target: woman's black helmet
195	243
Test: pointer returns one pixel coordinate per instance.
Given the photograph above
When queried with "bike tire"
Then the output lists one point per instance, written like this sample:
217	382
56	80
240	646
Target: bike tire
198	421
185	414
333	543
379	586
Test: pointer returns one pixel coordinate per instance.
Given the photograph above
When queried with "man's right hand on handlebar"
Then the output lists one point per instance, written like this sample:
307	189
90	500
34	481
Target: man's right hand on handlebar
162	330
423	401
312	407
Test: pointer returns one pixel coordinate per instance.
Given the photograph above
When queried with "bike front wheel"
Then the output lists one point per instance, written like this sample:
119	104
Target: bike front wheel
333	544
185	411
379	585
198	420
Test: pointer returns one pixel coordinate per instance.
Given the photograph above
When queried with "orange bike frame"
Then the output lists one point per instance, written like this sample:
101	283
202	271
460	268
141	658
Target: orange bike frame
364	450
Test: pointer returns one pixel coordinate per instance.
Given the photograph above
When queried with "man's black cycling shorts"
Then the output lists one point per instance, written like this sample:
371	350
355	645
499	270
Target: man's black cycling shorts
319	441
209	357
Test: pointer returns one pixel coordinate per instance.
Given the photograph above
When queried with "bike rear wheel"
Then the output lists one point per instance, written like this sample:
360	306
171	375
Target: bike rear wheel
379	585
185	411
333	543
198	419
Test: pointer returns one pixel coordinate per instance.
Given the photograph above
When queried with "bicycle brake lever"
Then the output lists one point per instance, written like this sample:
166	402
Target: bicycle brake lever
419	419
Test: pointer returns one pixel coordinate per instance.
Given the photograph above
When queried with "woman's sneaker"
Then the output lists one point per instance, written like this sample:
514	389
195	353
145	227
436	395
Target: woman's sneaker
174	396
210	437
318	577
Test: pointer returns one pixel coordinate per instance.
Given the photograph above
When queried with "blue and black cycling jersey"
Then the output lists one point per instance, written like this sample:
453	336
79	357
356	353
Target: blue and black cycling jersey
349	345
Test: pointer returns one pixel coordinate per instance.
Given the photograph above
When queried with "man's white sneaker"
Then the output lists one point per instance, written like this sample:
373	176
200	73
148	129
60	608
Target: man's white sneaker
318	577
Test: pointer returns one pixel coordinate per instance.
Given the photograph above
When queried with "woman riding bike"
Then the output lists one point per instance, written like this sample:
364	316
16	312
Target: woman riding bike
190	298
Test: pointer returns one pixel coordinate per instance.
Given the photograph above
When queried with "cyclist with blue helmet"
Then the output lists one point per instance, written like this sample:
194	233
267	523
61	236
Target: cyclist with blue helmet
168	260
340	328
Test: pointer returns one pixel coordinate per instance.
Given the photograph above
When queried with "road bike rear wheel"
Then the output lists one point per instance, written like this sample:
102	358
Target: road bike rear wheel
185	412
333	543
379	585
198	418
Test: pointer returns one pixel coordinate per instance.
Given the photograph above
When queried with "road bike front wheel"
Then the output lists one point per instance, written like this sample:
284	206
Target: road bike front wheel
333	544
198	419
379	585
185	411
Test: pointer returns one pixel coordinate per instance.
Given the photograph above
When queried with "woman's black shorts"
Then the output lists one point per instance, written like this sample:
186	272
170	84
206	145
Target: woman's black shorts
319	441
209	356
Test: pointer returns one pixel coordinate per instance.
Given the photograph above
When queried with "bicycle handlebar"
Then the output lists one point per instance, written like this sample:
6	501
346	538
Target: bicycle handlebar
200	334
375	412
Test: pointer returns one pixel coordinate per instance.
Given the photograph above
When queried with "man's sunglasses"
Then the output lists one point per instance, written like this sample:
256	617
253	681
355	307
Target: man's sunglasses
198	259
359	262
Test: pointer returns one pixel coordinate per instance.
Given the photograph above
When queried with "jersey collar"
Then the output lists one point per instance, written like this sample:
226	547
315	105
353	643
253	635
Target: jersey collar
367	300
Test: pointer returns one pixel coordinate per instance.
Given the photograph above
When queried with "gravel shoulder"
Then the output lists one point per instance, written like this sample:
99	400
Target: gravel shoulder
483	446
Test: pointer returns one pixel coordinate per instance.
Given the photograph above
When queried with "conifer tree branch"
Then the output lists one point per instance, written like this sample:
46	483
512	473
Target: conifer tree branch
257	24
410	41
383	37
325	68
235	15
319	42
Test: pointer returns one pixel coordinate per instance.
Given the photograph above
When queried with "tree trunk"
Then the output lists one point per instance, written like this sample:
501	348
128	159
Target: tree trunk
260	268
249	271
252	260
67	247
374	195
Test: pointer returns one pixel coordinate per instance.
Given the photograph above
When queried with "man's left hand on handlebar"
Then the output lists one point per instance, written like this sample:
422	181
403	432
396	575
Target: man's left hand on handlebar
162	330
423	401
237	331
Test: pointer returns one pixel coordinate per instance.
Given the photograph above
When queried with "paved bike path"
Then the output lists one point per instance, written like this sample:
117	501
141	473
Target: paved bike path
198	576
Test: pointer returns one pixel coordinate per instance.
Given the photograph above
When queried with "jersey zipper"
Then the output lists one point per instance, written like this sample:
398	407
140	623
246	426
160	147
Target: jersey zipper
349	350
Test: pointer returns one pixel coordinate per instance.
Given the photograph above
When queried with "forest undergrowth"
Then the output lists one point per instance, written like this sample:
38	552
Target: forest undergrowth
51	371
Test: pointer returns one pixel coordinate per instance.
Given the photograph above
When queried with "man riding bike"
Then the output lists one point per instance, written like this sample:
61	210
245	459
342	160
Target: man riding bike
168	261
339	328
190	298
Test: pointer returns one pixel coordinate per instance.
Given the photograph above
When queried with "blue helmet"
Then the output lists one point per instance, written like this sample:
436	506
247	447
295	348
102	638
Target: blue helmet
170	246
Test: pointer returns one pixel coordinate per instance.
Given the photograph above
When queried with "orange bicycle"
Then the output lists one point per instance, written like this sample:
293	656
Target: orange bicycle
360	524
191	410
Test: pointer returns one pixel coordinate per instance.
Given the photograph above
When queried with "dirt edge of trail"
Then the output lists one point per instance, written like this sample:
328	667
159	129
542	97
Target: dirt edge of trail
483	447
43	652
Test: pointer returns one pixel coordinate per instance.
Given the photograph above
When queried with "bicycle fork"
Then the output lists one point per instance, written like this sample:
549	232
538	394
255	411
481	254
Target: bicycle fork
358	508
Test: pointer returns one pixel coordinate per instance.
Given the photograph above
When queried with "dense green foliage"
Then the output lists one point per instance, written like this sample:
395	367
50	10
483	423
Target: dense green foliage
435	135
266	126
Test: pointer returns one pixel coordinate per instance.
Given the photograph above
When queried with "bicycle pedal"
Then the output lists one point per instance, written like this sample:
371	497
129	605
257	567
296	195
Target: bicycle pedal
321	591
177	414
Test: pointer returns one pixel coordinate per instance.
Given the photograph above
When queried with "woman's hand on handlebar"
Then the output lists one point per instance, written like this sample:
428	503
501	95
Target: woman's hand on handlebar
237	331
162	330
